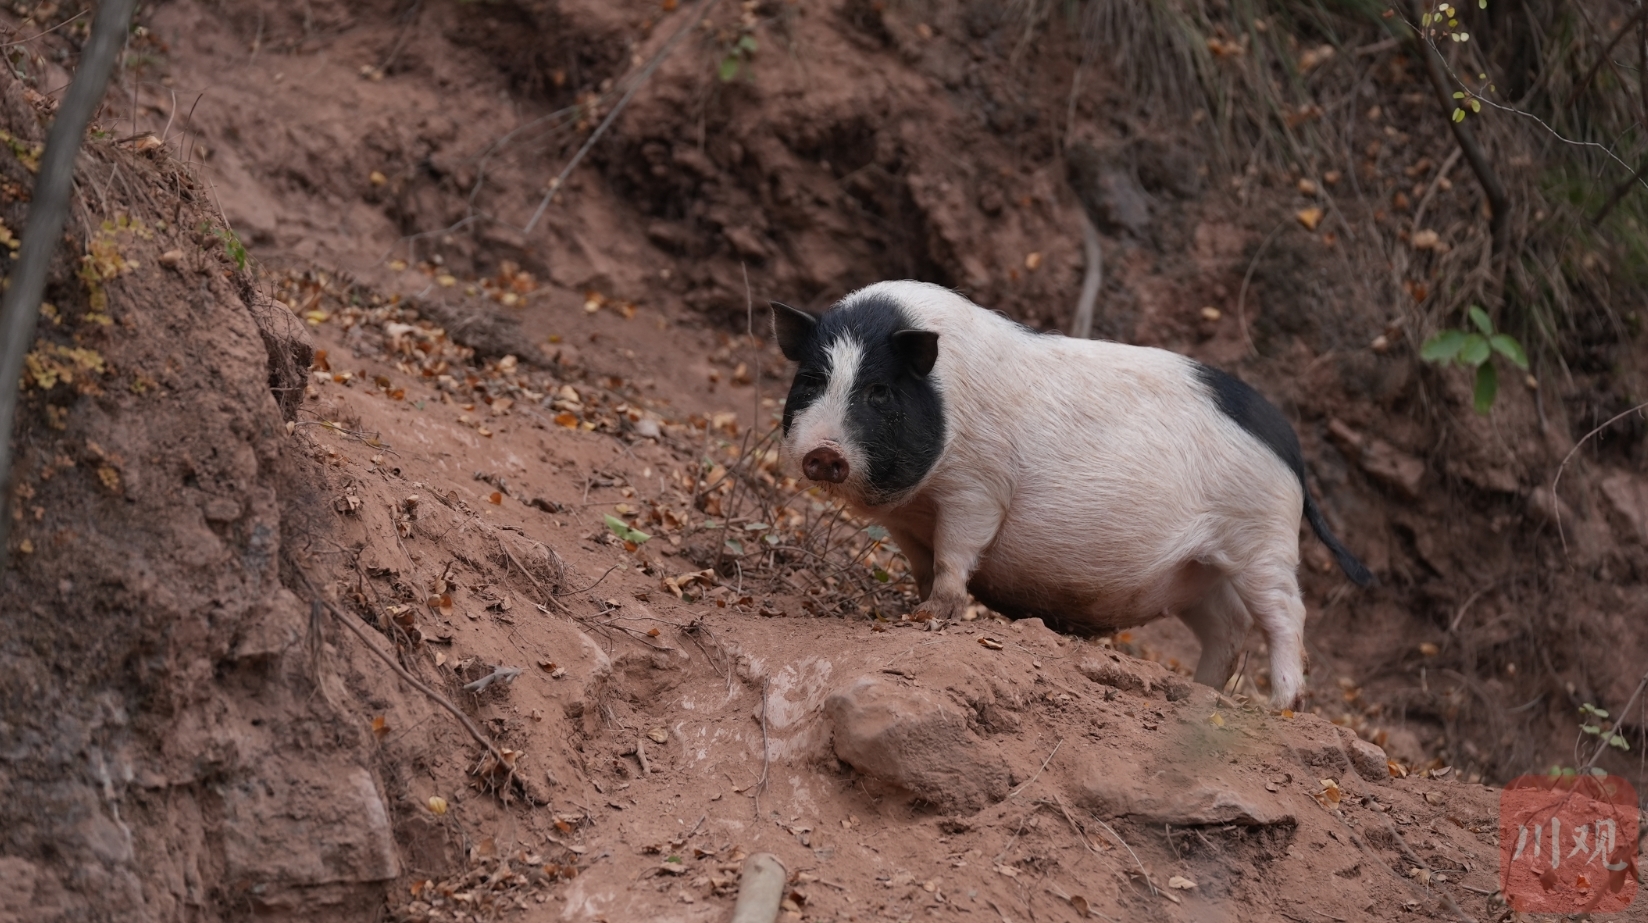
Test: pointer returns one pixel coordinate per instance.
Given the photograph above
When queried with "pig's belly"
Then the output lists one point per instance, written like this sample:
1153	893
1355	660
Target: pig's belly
1086	591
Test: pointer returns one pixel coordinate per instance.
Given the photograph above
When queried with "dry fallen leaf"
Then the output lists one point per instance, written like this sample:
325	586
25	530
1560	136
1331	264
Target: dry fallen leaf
1180	882
991	643
1309	217
1426	240
437	804
658	735
495	498
1429	650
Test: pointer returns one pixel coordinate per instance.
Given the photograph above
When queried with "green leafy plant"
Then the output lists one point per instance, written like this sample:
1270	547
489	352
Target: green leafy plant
1474	349
231	244
1599	717
625	531
737	58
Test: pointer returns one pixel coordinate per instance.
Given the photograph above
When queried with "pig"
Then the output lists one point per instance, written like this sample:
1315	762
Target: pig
1093	484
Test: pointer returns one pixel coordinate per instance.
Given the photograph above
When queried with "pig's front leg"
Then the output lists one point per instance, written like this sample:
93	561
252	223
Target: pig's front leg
966	525
920	557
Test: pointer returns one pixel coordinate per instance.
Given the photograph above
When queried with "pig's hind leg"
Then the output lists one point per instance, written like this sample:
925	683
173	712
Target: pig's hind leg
1270	589
1220	621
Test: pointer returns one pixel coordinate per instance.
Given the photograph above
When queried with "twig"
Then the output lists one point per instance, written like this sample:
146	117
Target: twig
641	756
1620	190
1092	279
24	41
1071	820
1118	838
1447	899
1430	192
511	555
1038	772
749	331
1585	82
500	675
49	206
1602	745
353	624
704	7
1498	201
1556	499
591	586
766	751
1241	295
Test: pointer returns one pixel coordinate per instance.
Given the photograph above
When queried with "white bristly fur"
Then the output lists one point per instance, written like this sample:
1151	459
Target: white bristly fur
1092	481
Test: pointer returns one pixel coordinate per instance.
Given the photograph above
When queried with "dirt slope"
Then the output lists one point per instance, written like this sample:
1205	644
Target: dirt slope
859	143
487	396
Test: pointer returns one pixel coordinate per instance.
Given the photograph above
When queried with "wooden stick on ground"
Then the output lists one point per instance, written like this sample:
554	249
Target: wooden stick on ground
761	890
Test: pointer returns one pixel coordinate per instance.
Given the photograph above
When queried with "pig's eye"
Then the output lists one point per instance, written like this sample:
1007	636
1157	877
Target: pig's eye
879	395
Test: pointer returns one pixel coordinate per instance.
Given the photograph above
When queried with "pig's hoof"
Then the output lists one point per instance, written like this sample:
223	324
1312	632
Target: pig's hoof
934	613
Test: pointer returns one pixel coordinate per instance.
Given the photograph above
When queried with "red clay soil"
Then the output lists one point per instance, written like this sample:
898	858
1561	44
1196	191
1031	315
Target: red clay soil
409	416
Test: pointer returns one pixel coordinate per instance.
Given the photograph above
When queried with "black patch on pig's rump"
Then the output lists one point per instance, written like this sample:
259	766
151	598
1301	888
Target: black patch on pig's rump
895	415
1262	420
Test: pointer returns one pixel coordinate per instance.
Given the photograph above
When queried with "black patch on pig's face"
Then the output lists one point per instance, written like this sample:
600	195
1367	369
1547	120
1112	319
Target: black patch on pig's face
893	413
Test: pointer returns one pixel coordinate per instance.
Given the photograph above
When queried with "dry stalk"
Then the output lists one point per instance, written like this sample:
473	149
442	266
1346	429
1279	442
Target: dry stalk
1557	498
353	624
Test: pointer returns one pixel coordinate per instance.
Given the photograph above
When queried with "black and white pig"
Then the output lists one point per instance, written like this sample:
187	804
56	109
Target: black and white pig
1096	485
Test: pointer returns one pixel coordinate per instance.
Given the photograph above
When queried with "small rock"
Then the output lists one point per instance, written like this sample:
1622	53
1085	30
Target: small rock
671	237
1143	677
1382	461
1627	498
918	740
1368	759
1112	785
746	243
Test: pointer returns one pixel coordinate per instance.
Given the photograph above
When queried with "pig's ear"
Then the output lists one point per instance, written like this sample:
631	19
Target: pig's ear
792	328
918	349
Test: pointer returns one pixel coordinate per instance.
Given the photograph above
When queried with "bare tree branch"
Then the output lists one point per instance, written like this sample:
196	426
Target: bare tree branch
1498	201
1590	75
47	209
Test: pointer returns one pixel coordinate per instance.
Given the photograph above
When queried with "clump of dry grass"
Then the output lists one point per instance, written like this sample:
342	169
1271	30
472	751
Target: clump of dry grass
775	535
1286	88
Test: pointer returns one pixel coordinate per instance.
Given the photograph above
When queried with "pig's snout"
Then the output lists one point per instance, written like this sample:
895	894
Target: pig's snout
825	463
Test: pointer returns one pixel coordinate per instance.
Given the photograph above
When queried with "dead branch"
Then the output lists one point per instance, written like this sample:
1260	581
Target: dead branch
1498	201
1585	82
641	79
353	624
1092	279
1557	498
1620	190
48	208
